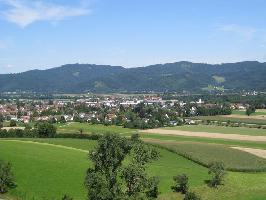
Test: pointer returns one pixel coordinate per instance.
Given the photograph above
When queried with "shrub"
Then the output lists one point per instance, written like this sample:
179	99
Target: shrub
6	177
191	196
181	183
217	170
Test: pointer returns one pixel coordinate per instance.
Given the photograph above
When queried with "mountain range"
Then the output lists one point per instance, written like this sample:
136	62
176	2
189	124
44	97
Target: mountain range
179	76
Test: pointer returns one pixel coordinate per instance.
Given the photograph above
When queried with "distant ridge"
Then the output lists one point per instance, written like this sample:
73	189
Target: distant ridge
179	76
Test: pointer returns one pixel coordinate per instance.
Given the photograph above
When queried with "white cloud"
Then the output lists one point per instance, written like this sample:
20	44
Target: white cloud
26	12
245	32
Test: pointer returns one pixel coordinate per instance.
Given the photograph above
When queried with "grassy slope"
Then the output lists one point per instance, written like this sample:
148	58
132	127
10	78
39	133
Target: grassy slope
55	170
220	129
45	171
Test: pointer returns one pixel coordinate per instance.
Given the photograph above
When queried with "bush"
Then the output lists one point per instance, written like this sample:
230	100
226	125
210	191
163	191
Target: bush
191	196
217	170
6	177
181	183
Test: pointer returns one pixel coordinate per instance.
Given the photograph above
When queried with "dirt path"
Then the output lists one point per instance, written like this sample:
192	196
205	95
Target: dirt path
206	135
257	152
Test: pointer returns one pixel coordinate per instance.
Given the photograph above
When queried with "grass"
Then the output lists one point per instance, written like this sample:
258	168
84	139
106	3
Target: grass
243	112
232	119
45	171
220	129
91	128
205	154
51	171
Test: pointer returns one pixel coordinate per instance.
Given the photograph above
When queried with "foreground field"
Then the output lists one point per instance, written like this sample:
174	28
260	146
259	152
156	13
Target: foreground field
52	167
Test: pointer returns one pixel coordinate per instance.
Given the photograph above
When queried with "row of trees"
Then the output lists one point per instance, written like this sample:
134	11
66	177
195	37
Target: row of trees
42	130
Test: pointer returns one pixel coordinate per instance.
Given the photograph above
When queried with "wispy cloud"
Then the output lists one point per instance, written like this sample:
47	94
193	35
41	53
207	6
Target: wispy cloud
26	12
245	32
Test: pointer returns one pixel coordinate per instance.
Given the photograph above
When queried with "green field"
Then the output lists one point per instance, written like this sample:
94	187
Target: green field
75	127
220	129
243	112
49	171
232	119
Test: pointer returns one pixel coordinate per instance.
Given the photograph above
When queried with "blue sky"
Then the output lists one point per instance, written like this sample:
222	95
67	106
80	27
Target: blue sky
39	34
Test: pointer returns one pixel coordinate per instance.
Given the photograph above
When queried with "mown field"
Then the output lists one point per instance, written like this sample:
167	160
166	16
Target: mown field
75	127
220	129
50	171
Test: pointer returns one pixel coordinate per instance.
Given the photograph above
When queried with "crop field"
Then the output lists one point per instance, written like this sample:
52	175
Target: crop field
44	170
220	129
75	127
205	154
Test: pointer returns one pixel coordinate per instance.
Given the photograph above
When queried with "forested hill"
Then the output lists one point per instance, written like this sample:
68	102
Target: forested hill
250	75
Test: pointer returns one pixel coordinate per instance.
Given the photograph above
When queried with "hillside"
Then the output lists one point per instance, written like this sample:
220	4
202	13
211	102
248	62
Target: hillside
178	76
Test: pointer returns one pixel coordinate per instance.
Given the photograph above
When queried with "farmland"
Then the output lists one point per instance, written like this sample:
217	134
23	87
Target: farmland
58	165
64	173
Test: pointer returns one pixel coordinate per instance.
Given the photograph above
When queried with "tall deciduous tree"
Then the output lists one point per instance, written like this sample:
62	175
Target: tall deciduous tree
109	179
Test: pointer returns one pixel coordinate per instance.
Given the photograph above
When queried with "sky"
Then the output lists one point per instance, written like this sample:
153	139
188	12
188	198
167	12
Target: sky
40	34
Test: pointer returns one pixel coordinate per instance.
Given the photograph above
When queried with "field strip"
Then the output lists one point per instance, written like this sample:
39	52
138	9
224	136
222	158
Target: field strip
263	117
206	135
257	152
47	144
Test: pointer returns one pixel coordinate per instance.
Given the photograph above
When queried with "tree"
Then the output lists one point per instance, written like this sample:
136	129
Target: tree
191	196
250	110
6	177
1	125
13	123
181	183
108	179
2	118
46	130
217	170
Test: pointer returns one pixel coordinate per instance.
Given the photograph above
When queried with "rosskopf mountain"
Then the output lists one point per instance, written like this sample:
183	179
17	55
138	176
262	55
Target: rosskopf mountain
179	76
